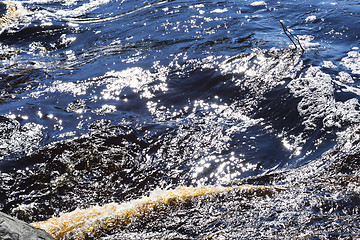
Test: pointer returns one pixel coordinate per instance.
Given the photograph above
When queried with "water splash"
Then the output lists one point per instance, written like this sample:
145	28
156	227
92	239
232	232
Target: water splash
81	223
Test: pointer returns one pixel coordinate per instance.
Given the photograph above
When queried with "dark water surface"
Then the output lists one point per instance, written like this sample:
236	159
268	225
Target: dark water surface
105	101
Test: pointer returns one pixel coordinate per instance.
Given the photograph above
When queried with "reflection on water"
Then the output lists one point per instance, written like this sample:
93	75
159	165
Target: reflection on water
105	102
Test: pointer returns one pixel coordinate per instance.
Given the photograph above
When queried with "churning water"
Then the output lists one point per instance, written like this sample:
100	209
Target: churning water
104	103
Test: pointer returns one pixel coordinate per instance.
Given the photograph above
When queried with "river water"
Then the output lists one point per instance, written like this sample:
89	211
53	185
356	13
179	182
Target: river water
106	101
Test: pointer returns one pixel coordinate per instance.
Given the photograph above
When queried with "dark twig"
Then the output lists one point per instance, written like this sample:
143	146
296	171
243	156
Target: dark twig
297	39
291	36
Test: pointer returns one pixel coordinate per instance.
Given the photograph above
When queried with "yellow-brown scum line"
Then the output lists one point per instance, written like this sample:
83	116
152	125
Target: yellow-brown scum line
81	222
11	13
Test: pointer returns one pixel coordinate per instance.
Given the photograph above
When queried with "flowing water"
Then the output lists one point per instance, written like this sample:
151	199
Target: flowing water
105	102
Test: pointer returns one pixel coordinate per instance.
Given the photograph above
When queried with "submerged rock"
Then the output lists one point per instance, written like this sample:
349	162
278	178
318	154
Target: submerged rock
14	229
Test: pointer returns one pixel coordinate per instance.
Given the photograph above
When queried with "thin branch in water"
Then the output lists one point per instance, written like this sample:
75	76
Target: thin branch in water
297	39
291	36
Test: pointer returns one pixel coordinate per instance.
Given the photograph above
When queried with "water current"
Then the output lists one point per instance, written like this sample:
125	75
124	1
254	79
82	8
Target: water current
116	101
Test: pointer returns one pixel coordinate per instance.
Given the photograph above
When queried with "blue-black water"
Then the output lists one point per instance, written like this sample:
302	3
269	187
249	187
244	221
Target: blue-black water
104	101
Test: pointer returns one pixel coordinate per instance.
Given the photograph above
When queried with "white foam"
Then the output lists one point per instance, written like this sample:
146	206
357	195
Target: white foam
315	88
345	77
219	10
258	3
23	138
306	42
310	18
352	62
328	64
